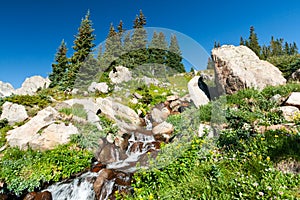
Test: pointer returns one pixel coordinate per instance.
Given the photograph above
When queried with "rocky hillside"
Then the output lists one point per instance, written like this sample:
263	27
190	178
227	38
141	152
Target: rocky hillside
233	135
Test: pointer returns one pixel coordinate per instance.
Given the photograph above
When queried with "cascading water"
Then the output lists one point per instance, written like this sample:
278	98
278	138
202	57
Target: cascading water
81	188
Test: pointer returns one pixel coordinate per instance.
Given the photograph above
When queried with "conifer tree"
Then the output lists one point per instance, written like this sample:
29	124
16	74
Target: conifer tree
59	69
253	42
139	41
242	42
158	49
83	46
174	57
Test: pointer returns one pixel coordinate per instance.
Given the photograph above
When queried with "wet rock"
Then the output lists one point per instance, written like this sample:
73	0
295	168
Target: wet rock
104	175
136	147
123	179
46	195
107	154
163	131
96	168
121	142
30	196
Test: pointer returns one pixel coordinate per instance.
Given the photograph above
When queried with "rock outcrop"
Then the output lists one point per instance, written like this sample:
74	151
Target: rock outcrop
41	132
120	74
32	85
197	95
100	87
239	68
295	76
13	113
125	117
6	89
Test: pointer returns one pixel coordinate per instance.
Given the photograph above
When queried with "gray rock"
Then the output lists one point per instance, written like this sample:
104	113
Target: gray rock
163	131
6	89
41	132
32	85
197	95
205	129
289	112
239	68
13	113
100	87
294	99
159	116
125	117
296	75
122	74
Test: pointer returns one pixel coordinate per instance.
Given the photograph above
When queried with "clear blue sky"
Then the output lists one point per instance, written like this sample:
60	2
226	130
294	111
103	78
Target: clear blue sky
31	30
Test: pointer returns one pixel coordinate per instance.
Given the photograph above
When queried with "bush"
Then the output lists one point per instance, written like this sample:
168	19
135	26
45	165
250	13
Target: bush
76	109
25	171
26	100
287	64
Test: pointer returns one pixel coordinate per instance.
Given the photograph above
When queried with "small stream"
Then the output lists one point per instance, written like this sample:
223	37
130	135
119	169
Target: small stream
117	174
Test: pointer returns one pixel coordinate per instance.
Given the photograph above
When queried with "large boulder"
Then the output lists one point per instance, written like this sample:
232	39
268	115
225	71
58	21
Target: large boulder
13	113
125	117
6	89
41	132
120	74
32	85
239	68
100	87
197	95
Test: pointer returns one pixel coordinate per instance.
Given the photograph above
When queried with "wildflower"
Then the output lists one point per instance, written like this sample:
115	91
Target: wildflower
269	188
280	193
262	139
255	184
276	136
151	196
268	158
261	193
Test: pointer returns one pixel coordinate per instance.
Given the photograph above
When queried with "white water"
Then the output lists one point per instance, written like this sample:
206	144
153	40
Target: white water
81	188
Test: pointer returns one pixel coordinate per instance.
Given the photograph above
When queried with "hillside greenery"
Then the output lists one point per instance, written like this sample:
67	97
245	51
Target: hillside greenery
242	163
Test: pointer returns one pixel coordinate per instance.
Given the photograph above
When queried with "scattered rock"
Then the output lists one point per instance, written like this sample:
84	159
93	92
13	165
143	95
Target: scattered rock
6	89
32	85
294	100
295	76
159	116
46	195
172	98
13	113
137	95
205	130
100	87
197	95
289	112
163	131
120	74
148	81
239	68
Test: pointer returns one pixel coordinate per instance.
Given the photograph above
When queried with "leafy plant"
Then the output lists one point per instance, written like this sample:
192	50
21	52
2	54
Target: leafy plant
76	109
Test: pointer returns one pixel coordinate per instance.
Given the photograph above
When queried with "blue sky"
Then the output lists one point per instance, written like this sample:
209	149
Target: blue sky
31	30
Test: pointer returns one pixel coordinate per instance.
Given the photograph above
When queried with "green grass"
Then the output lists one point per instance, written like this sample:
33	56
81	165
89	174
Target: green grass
76	110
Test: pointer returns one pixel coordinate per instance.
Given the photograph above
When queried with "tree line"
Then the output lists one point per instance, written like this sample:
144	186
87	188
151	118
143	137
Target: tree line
127	48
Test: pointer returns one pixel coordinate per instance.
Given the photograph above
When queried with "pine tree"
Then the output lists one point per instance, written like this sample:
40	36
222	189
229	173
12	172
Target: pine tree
59	69
83	46
174	57
253	42
139	41
110	47
158	49
242	42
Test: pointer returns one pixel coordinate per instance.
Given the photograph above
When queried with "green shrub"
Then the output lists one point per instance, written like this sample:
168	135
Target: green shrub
4	128
25	171
287	64
40	100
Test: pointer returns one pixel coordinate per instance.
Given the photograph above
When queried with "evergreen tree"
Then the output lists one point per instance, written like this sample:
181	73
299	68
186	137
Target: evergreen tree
253	42
242	42
110	47
139	41
59	69
83	46
174	57
265	52
158	49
